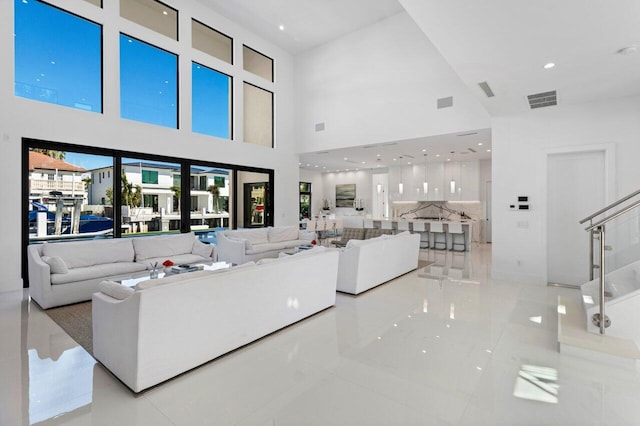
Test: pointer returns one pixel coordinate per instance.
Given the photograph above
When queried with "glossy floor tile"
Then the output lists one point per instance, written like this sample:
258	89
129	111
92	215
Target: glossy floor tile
444	344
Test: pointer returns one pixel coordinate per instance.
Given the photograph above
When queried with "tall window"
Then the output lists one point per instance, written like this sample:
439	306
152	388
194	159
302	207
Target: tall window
257	63
152	14
211	102
62	186
258	115
148	83
58	57
212	42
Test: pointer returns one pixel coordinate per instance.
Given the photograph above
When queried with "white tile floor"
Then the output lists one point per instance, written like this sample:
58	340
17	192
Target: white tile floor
415	351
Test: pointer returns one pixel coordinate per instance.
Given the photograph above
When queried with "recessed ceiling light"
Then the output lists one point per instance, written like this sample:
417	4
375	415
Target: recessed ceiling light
345	158
549	65
364	162
394	159
316	165
488	150
424	150
437	155
448	159
377	155
627	50
164	12
479	143
281	27
409	162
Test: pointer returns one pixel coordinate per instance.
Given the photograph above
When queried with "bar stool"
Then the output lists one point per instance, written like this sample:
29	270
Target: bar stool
387	224
455	230
420	227
437	228
338	227
403	225
311	227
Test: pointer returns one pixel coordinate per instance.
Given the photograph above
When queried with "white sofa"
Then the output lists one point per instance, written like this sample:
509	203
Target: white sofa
183	321
69	272
365	264
244	245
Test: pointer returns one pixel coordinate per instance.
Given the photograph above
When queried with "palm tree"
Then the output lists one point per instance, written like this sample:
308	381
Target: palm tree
130	194
58	155
177	192
215	193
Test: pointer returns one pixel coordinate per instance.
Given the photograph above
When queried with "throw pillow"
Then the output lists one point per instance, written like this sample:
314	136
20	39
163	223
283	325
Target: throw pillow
56	264
115	290
201	249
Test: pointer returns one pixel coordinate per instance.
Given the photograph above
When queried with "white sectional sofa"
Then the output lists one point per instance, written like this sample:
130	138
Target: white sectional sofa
244	245
365	264
69	272
177	323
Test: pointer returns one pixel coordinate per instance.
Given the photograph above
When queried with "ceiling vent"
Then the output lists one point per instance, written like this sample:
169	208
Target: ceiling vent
322	152
486	89
471	149
445	102
407	156
467	134
541	100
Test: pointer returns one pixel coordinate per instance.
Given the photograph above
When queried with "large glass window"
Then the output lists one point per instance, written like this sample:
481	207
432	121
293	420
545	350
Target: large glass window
148	83
66	198
148	195
305	200
253	202
58	57
258	115
211	102
210	198
257	63
151	14
212	42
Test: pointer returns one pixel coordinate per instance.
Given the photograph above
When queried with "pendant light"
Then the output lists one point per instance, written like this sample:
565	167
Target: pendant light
425	185
400	185
452	184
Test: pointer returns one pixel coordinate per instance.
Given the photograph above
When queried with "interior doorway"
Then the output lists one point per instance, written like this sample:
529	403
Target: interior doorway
487	214
576	187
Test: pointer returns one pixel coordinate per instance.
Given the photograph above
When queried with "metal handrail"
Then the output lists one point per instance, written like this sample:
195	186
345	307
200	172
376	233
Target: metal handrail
610	206
613	216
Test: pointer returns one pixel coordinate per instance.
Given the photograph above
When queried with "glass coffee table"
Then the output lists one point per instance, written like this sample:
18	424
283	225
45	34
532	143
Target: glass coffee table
144	276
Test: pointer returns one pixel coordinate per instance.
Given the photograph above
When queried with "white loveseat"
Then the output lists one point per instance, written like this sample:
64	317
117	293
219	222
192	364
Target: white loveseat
244	245
365	264
69	272
183	321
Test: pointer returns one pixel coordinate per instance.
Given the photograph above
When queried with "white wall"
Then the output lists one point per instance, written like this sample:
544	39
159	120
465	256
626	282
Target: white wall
378	84
361	178
520	146
26	118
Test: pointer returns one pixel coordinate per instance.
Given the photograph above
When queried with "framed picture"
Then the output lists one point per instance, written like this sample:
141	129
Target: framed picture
345	195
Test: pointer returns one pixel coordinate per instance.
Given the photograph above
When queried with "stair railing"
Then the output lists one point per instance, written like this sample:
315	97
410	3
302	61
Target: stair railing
597	231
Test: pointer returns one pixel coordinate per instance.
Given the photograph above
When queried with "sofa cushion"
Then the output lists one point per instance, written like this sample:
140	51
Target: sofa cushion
247	243
97	271
163	246
179	259
279	234
115	290
79	254
201	249
255	236
262	248
56	264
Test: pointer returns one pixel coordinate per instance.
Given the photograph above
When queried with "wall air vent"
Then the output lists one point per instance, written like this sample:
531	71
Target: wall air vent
322	152
467	134
380	144
486	89
471	149
541	100
319	127
445	102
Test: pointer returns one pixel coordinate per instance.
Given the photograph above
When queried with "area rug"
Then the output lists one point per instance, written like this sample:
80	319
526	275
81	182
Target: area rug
76	321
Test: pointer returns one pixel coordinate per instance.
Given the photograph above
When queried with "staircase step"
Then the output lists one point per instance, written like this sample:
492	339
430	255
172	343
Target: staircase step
574	339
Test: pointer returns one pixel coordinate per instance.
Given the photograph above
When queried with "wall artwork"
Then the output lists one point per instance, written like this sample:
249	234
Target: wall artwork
345	195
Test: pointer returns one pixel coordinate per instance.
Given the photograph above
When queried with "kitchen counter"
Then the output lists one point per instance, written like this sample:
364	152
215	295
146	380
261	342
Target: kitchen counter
467	227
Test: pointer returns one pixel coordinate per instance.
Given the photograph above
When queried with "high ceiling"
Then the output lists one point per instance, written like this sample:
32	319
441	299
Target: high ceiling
505	43
306	23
